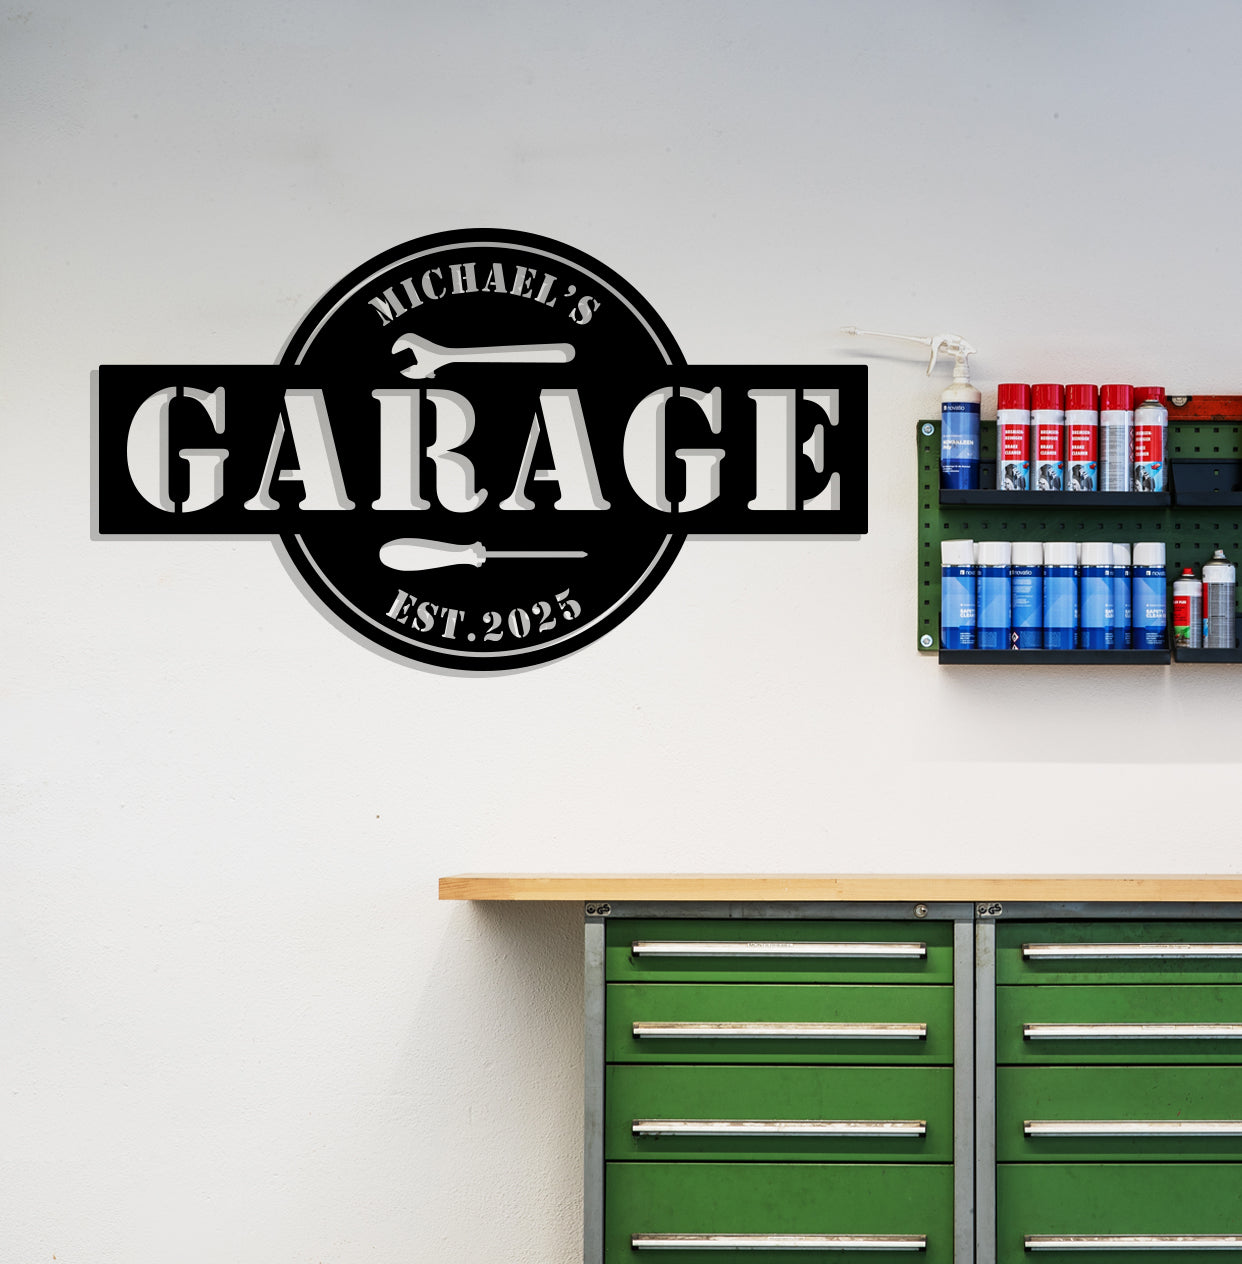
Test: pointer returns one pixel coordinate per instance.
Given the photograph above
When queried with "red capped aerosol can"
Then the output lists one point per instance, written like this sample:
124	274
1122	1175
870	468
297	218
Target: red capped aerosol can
1151	428
1048	436
1116	438
1082	427
1013	437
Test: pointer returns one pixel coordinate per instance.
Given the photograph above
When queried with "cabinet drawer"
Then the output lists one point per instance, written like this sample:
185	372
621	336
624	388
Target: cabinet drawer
803	1203
779	952
1050	1202
778	1023
1119	1113
1118	952
1125	1024
806	1114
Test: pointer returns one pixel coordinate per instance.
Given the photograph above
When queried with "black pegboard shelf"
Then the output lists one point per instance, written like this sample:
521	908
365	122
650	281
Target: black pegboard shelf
1183	655
1057	658
1049	500
1202	513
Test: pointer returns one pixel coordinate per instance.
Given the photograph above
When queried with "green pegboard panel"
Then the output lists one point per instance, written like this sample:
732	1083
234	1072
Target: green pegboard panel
1206	454
1205	440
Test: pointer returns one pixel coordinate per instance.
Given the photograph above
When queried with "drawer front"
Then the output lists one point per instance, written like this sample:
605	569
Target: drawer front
1051	1202
1118	952
806	1205
799	1113
1138	1024
1119	1113
779	1023
778	952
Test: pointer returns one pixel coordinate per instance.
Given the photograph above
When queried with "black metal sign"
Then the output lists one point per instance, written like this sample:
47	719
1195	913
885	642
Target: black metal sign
481	450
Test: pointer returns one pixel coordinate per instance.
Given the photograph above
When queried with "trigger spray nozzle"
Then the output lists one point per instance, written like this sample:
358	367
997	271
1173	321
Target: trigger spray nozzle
950	344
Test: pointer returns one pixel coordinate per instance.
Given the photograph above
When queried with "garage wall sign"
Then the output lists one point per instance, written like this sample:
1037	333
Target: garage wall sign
480	450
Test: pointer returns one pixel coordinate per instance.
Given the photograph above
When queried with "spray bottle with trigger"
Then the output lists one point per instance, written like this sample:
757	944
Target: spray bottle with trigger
959	408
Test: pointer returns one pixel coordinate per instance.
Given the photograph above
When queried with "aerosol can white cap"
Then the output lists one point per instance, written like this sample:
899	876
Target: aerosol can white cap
1060	553
1028	553
1096	553
1149	553
1121	555
994	552
957	552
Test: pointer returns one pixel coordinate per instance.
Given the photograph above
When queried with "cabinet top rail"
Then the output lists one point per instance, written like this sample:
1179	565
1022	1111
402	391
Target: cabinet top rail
798	887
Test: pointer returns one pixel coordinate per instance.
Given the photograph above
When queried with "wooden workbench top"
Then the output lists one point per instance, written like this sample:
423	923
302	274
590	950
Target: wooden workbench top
813	887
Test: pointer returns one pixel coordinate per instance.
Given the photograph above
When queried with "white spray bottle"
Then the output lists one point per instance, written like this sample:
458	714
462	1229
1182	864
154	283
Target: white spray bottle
959	407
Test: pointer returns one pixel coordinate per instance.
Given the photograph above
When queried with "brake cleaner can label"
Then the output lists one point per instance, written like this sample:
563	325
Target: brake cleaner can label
1048	436
1151	425
1082	429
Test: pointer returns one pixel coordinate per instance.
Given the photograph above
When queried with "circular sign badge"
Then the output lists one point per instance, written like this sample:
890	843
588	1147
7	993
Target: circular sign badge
489	545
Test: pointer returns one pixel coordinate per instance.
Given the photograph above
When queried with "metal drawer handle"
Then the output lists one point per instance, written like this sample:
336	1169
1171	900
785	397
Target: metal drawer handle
1133	1127
779	1127
705	948
1130	952
1134	1242
782	1031
1132	1031
778	1242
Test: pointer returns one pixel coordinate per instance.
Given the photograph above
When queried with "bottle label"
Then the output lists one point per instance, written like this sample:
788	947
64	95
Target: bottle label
1013	451
1049	444
957	607
959	445
1081	441
1098	625
1150	614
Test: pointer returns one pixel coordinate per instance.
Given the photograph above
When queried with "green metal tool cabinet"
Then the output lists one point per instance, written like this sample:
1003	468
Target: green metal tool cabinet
969	1080
1117	1106
772	1079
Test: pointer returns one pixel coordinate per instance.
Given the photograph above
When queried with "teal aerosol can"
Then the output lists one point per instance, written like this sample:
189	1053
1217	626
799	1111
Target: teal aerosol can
959	408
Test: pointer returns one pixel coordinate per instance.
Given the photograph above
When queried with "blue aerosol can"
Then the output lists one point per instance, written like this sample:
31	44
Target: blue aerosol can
1026	595
1060	595
1097	627
958	582
1149	598
994	606
1123	596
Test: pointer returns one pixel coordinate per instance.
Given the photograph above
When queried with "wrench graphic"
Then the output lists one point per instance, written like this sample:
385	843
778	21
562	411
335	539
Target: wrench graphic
430	356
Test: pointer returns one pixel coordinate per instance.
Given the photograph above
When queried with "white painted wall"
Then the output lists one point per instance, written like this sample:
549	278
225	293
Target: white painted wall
237	1025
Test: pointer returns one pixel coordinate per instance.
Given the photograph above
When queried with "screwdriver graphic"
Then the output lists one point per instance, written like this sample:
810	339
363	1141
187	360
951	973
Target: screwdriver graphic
425	555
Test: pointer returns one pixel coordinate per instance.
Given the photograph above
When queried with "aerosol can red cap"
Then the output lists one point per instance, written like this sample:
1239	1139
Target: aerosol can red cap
1048	395
1080	398
1148	392
1117	399
1013	395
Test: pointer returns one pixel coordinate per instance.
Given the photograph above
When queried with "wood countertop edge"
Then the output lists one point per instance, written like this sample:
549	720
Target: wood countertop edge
1154	888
